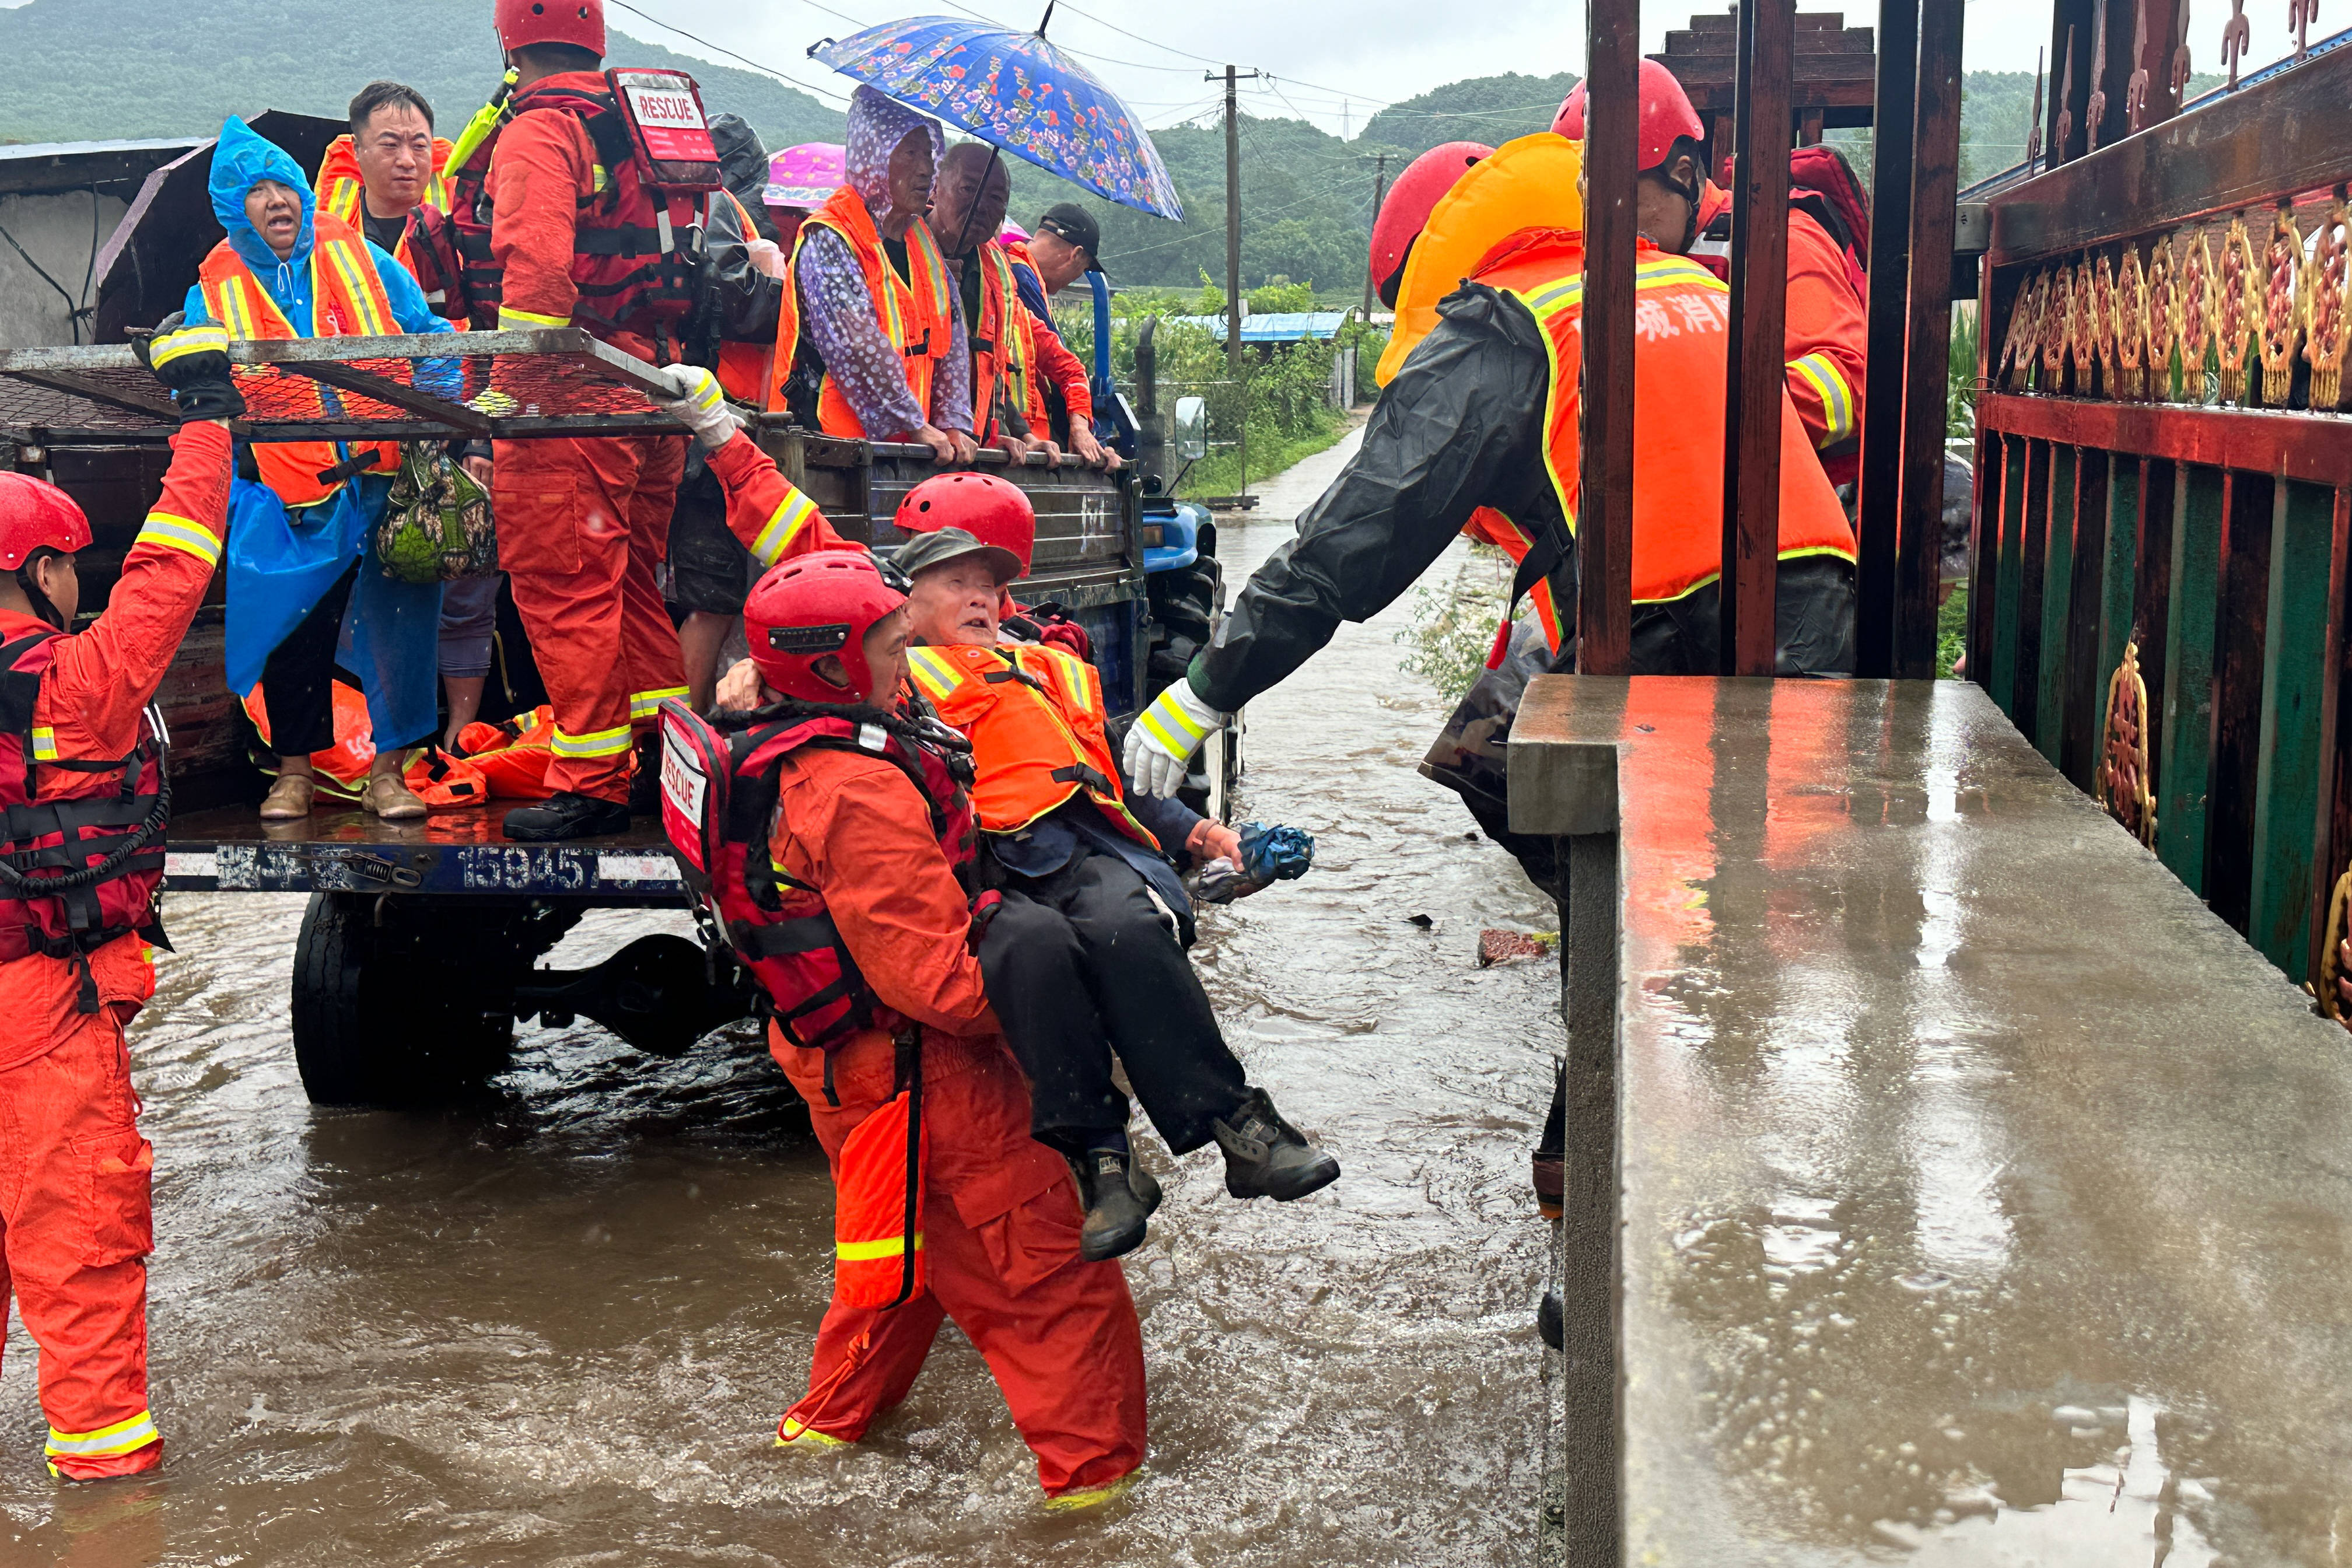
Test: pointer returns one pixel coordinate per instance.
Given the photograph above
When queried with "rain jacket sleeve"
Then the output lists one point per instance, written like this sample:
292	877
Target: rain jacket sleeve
745	298
1828	334
773	518
406	298
1168	819
1461	427
854	828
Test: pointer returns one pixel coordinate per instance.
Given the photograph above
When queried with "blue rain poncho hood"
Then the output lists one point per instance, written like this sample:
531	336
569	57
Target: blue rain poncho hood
242	159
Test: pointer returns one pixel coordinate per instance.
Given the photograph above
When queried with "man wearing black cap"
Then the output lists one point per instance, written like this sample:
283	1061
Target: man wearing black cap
1064	246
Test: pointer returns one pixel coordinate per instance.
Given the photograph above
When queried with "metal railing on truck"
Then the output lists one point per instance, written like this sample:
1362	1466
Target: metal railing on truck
2163	473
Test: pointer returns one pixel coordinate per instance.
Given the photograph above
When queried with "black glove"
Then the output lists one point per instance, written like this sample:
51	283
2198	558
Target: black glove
193	363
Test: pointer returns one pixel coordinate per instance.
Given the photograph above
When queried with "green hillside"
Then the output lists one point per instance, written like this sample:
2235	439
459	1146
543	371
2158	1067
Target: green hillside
96	68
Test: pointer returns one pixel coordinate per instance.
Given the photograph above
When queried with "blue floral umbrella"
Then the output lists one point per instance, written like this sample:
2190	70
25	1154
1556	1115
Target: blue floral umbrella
1018	90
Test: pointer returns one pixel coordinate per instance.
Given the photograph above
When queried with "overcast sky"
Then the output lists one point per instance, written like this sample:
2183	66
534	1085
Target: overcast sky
1334	61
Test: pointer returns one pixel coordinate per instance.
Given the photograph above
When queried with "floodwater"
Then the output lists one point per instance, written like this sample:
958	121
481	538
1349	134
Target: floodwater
558	1326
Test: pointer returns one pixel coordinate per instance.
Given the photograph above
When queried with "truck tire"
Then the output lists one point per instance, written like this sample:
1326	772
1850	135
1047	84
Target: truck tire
390	1009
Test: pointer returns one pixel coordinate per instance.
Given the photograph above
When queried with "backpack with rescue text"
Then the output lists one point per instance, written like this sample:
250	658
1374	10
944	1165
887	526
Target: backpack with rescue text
78	870
718	791
638	249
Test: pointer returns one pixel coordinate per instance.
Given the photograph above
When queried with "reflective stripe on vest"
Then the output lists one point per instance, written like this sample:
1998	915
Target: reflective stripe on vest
1034	714
1000	345
347	300
1681	317
917	315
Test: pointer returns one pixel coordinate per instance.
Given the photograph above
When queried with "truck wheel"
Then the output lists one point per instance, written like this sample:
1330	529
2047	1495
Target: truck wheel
396	1010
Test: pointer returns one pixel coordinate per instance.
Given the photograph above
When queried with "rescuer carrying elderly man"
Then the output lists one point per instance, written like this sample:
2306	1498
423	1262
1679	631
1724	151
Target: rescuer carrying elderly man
1483	415
82	776
826	828
1082	958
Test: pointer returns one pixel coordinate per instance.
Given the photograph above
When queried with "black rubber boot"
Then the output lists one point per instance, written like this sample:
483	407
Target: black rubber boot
1267	1157
1118	1195
1549	1168
564	814
644	784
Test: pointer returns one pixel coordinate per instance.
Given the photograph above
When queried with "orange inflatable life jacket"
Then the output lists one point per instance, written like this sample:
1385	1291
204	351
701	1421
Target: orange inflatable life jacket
347	300
512	757
1034	713
916	313
1682	316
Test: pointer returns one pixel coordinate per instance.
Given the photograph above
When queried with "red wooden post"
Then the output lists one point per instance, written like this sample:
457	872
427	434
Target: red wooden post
1890	274
1925	394
1759	367
1605	532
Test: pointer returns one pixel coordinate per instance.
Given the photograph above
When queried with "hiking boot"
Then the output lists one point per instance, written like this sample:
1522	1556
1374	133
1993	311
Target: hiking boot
1267	1157
565	815
1118	1195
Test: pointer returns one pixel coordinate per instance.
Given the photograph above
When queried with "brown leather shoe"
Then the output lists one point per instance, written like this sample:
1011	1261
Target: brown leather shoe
392	800
288	799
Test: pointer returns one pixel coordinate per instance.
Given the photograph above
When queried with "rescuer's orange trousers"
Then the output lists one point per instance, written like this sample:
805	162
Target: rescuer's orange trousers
1000	1232
582	526
76	1227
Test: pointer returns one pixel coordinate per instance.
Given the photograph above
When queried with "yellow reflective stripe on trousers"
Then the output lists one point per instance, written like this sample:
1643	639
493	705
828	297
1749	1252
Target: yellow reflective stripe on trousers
45	744
181	534
869	1251
783	528
645	704
511	320
1820	373
603	744
121	1437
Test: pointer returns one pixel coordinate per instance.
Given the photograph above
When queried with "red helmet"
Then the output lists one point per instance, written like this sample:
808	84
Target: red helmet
580	23
814	605
1666	114
991	509
33	514
1406	208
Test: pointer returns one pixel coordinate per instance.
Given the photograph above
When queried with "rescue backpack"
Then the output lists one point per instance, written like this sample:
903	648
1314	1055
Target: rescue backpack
638	250
718	788
83	866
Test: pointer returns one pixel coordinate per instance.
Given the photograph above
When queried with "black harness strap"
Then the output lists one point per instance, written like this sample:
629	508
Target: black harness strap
1078	772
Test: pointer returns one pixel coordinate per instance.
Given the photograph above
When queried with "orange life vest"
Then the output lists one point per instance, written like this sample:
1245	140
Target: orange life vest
1033	401
1682	316
1002	349
917	315
1034	714
341	191
347	300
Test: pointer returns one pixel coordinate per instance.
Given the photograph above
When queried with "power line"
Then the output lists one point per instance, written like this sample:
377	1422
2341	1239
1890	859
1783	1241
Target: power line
1139	37
755	65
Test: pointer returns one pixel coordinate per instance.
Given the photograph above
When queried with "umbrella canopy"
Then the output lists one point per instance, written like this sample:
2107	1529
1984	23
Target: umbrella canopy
803	176
1019	91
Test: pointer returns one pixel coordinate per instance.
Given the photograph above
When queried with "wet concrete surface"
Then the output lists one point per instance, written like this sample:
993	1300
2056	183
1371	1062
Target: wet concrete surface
1985	1197
557	1325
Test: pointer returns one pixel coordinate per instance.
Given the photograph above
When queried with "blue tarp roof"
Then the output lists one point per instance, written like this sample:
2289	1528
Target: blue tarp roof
1280	327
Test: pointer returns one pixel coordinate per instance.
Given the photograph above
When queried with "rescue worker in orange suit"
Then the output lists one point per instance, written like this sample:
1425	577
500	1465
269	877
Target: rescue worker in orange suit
75	1222
1826	327
870	342
1061	400
870	835
583	523
1484	413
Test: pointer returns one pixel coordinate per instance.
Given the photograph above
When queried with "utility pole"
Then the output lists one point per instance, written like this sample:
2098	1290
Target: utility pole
1234	252
1380	190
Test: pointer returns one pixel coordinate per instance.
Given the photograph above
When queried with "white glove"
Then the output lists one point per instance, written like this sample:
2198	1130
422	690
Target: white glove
701	405
766	257
1165	736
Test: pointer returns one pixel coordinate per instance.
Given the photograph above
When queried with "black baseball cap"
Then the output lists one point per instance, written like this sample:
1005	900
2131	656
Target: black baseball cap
1078	226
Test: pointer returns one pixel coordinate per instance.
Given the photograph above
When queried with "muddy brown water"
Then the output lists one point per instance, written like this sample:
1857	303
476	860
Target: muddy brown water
556	1326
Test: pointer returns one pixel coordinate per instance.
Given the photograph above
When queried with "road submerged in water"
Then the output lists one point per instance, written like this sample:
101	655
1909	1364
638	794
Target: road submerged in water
556	1325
